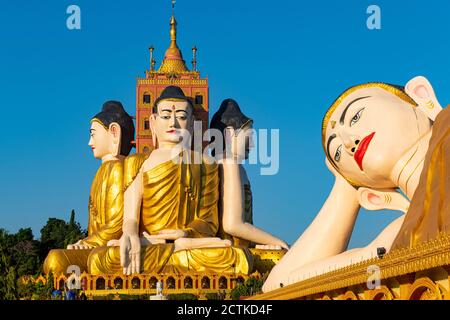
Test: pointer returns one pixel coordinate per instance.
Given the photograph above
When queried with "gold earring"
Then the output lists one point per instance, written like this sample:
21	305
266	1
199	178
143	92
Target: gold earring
429	104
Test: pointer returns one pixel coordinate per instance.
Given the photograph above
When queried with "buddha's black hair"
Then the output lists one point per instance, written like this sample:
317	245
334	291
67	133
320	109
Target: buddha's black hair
229	115
113	111
172	92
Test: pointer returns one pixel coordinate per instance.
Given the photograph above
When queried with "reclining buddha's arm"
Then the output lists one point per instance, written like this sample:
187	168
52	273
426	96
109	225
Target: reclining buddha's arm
385	240
327	235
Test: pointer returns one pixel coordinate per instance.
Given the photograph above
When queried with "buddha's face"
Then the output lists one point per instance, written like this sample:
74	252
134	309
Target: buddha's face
172	122
369	132
101	140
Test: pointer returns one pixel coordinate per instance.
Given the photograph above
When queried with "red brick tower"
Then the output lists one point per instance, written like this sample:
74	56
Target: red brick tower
173	71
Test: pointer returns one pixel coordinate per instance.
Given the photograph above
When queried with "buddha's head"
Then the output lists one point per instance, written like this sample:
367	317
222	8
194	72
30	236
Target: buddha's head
172	119
368	129
236	129
112	131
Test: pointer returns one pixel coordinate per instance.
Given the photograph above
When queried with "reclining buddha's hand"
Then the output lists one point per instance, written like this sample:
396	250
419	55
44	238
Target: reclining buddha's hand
130	250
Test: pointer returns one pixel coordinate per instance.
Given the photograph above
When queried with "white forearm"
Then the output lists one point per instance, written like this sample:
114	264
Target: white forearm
132	206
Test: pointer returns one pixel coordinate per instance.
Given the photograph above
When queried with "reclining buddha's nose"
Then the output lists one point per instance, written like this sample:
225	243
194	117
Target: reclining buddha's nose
350	141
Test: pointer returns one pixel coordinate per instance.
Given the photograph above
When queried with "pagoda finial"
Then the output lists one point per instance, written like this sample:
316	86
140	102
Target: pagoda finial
173	60
194	58
173	27
173	32
152	61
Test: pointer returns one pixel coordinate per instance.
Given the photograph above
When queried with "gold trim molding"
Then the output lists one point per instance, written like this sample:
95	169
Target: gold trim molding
419	263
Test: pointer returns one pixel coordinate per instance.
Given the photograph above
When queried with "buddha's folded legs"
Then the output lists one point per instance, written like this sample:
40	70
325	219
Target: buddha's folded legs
218	260
58	260
106	260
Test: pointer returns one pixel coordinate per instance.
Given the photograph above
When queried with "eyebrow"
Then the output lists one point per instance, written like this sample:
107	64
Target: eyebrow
91	130
168	110
341	120
328	147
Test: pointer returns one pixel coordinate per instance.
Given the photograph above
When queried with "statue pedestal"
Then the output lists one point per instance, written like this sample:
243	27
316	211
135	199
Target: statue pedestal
158	297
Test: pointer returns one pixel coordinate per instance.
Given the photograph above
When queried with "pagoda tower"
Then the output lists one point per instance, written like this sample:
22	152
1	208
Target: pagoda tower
172	71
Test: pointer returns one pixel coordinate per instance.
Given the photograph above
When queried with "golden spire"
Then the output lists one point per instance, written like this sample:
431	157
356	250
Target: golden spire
173	60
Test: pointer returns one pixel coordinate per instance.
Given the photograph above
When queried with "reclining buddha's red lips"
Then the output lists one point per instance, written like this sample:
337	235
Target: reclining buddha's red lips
362	148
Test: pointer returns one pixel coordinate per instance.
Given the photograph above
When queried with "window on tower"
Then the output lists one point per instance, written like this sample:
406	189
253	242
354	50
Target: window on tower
198	99
146	125
147	98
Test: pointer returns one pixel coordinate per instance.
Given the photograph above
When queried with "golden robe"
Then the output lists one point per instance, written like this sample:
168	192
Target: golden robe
179	196
429	213
105	218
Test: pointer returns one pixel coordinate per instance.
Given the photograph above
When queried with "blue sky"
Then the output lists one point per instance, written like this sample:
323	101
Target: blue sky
284	62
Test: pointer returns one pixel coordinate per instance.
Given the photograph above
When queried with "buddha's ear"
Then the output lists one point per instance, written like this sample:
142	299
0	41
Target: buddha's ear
152	129
422	92
116	132
373	199
229	140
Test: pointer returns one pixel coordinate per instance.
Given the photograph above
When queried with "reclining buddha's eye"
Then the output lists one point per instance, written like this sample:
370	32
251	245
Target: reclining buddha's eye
356	118
337	155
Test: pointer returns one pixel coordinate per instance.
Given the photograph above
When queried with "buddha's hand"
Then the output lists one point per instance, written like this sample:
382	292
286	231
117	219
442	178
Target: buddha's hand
170	234
113	243
130	253
275	246
148	240
79	246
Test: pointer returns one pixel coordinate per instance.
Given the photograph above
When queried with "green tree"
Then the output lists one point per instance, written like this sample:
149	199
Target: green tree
22	255
25	253
72	218
26	290
57	234
250	287
10	281
3	267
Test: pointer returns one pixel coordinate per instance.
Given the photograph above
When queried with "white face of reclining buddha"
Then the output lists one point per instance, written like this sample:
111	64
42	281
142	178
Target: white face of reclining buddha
368	133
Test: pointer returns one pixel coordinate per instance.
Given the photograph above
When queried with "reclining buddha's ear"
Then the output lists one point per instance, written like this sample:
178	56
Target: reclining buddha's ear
421	91
372	199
